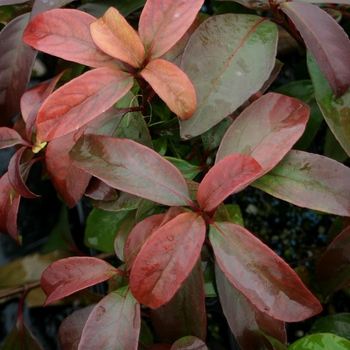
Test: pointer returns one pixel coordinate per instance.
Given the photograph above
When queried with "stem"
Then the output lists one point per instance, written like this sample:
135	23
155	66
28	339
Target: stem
25	288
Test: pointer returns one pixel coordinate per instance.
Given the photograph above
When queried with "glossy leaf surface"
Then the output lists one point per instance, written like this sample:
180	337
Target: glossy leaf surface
338	324
333	268
326	40
9	204
166	259
243	318
66	276
231	175
80	101
335	111
131	167
189	343
260	274
65	33
184	314
266	130
310	181
321	341
114	323
234	66
71	328
163	23
16	61
114	36
173	87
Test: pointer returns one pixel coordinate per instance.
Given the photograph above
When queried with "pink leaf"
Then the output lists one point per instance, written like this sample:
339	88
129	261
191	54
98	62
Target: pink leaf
10	137
66	276
166	259
164	22
32	100
189	343
266	130
173	86
310	181
16	61
16	172
114	323
231	175
333	270
65	33
326	40
70	330
260	274
114	36
244	319
80	101
9	204
131	167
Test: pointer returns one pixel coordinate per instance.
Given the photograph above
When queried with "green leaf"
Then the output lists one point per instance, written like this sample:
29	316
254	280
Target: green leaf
188	170
333	149
310	181
321	341
335	111
338	324
102	227
234	66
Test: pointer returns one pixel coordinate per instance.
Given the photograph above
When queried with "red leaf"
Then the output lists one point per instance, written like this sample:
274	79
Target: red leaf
114	323
187	310
79	101
65	33
66	276
131	167
326	40
115	36
10	137
244	319
32	100
9	204
16	61
164	22
332	270
281	122
70	330
260	274
166	259
173	86
231	175
16	172
310	181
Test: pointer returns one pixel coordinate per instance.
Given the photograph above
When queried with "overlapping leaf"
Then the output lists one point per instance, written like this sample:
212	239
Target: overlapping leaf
16	61
327	41
266	130
66	276
187	310
166	259
336	112
310	181
163	23
10	137
114	323
114	36
126	165
237	55
243	318
80	101
231	175
65	33
173	87
261	275
189	343
333	268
